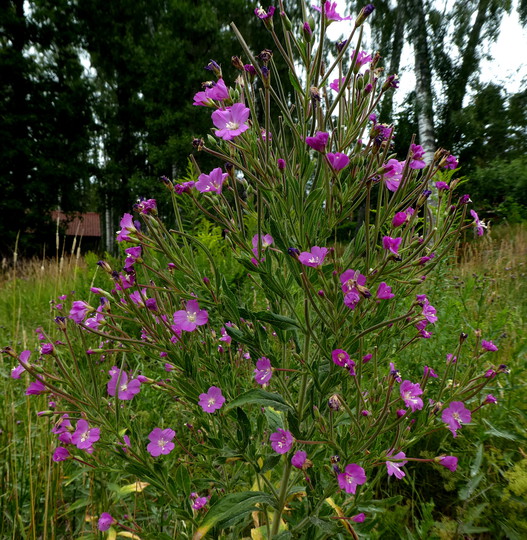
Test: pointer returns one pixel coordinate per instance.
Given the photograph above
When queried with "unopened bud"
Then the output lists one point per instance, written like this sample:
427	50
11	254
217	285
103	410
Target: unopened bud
365	12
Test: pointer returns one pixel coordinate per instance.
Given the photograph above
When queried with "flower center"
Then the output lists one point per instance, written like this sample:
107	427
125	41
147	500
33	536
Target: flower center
191	317
85	436
211	401
232	125
161	443
124	387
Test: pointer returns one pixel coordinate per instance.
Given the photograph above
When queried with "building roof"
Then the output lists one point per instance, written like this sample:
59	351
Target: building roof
77	224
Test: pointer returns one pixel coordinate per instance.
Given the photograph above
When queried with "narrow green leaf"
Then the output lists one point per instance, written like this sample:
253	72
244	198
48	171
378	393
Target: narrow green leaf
262	398
232	508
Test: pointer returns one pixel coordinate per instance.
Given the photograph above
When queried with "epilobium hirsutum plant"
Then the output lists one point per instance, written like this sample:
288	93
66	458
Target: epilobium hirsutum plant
278	406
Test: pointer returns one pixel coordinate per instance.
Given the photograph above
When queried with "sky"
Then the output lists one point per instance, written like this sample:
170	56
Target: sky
508	65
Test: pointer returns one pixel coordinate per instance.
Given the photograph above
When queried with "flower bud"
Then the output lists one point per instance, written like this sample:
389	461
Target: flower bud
286	21
365	12
307	32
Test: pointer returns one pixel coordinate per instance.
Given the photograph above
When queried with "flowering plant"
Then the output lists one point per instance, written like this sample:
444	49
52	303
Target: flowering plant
283	406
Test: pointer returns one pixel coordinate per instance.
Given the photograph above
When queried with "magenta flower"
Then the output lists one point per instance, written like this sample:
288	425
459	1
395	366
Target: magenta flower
417	155
450	162
442	186
212	401
429	312
128	227
263	371
394	468
450	462
330	12
231	121
160	441
456	415
84	437
79	310
126	390
429	372
105	521
358	518
281	164
299	459
212	182
265	240
146	206
262	14
392	244
60	454
191	317
352	477
18	370
198	502
393	172
478	224
409	394
139	297
319	141
35	388
362	58
313	258
335	85
338	161
384	292
217	91
488	346
340	357
490	399
281	441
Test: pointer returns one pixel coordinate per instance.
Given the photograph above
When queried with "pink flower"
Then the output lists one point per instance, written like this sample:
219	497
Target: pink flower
263	371
231	121
35	388
409	394
456	415
352	477
60	454
126	390
384	292
417	153
211	182
450	462
262	14
429	312
299	459
394	468
490	399
335	85
18	370
338	161
160	441
191	317
488	346
216	91
84	437
362	58
198	502
330	12
340	357
79	310
105	521
212	401
313	258
265	240
281	441
319	141
478	224
128	227
450	162
392	244
358	518
393	172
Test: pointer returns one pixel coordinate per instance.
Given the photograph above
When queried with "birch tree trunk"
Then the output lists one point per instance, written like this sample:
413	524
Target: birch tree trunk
423	78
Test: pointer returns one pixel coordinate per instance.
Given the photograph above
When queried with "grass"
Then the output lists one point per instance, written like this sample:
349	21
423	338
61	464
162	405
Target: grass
483	289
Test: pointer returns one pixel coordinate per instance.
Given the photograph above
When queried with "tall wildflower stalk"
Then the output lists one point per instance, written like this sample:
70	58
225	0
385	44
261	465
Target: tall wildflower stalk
280	405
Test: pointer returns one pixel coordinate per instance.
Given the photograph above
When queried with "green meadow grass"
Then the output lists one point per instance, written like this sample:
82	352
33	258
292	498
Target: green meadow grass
483	288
